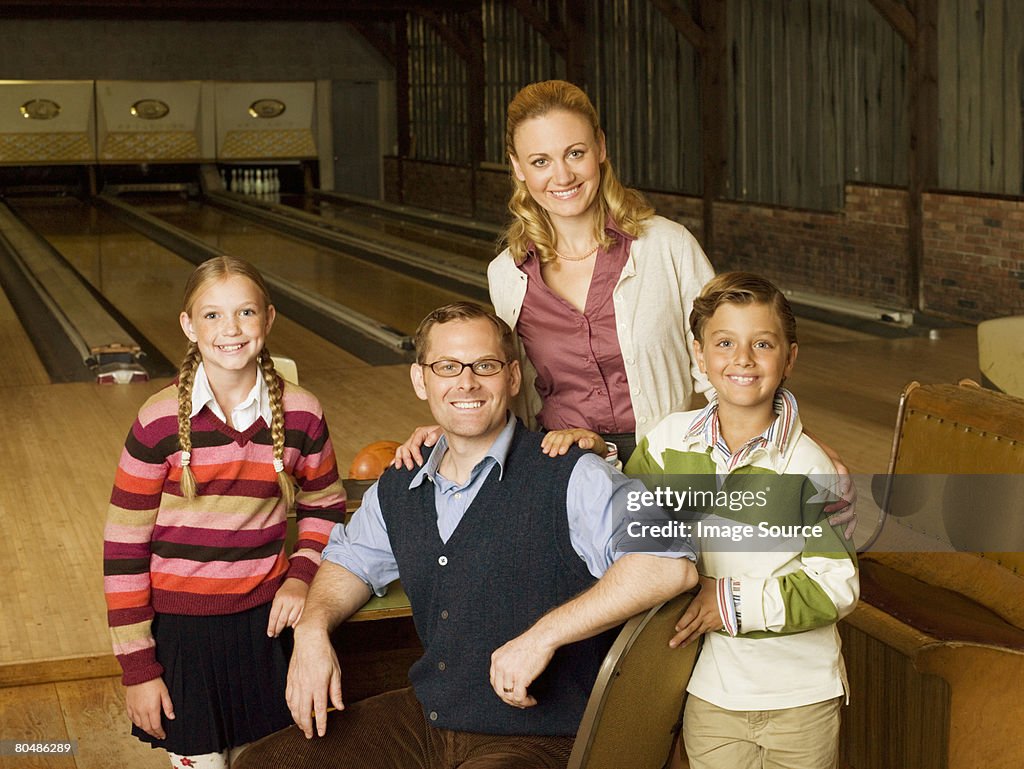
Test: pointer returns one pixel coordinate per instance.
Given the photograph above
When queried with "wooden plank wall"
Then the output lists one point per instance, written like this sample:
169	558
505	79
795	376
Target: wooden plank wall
981	90
816	97
439	109
515	54
643	77
817	94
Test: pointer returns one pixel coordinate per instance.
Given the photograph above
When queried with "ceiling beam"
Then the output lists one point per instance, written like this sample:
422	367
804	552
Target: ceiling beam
452	37
900	18
402	103
383	44
554	34
575	26
214	10
683	22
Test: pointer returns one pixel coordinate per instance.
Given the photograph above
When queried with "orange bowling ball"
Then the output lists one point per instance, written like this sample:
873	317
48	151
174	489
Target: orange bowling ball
372	460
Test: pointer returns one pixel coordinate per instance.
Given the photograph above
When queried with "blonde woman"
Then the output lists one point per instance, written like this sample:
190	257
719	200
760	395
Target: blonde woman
597	287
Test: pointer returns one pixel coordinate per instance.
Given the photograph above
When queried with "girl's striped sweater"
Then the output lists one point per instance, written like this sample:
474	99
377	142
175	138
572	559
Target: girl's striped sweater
222	552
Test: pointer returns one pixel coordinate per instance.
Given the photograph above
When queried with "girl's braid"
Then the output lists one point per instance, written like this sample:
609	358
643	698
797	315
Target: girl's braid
186	378
277	425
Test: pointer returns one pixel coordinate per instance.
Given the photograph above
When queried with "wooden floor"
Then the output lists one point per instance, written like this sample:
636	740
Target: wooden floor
90	712
848	390
21	364
61	448
64	441
108	253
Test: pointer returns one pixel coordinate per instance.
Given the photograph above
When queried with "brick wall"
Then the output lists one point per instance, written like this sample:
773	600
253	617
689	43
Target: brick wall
442	187
974	255
493	187
974	245
687	210
858	253
435	186
447	188
392	185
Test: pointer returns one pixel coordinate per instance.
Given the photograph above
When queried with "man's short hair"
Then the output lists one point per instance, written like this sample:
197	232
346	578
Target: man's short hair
740	288
463	311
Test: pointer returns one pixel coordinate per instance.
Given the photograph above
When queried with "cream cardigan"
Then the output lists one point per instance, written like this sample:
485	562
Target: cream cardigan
665	271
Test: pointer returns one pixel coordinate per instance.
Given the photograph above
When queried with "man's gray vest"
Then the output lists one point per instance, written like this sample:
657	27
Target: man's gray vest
508	562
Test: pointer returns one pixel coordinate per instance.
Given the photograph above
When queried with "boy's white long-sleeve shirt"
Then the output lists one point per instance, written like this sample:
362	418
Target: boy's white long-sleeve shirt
783	649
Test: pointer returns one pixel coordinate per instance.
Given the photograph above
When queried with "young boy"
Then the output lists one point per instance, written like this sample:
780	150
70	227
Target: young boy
775	577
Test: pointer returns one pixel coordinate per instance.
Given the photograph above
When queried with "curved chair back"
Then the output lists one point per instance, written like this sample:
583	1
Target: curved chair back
286	368
636	705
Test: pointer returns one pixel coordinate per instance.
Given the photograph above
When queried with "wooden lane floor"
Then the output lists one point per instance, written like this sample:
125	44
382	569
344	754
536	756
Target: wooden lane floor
91	712
849	391
375	223
61	459
145	282
377	292
65	439
21	363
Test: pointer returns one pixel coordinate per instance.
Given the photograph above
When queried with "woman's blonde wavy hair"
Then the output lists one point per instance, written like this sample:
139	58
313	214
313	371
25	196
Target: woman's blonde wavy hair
531	223
208	272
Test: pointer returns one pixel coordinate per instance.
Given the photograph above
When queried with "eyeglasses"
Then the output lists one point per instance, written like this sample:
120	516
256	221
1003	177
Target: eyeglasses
452	368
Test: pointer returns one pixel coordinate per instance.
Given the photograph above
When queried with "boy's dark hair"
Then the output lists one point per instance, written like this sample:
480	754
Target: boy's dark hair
740	288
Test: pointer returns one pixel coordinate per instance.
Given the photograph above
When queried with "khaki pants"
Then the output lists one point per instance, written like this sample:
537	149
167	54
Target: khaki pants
806	737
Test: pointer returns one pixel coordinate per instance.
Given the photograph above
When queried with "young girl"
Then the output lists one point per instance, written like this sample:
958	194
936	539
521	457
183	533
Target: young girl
198	586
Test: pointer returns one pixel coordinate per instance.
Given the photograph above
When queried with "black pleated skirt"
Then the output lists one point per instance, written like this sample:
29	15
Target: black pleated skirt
226	679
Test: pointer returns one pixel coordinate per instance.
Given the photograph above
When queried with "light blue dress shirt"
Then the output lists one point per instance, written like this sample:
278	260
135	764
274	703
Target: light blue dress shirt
596	505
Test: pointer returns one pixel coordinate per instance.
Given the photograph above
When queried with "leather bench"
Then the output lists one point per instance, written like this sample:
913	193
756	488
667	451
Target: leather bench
935	649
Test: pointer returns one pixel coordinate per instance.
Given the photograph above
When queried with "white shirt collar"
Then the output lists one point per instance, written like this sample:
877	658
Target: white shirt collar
775	439
243	416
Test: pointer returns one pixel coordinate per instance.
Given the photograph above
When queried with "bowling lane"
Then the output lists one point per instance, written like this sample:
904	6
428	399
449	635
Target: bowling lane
356	218
379	293
146	281
21	363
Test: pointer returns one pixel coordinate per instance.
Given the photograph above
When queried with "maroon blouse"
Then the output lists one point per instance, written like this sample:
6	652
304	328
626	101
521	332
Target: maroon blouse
580	373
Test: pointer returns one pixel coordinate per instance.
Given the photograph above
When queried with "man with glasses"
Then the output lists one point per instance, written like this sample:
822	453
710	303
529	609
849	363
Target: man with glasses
509	559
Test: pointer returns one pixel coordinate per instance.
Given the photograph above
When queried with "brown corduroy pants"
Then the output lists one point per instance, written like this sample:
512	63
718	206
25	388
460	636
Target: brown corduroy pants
389	732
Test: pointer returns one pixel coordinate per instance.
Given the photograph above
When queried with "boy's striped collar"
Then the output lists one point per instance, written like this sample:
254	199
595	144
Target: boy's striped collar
705	427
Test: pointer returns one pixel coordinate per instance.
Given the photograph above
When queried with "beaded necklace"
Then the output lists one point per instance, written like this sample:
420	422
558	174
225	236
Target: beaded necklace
586	256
